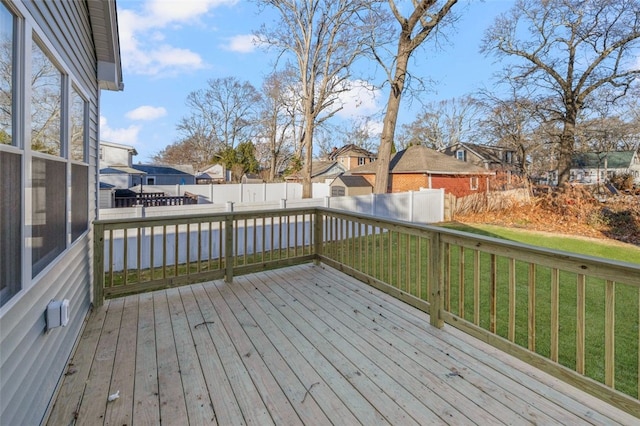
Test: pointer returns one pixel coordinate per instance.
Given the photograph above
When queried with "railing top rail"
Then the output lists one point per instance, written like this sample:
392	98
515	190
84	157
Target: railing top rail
626	272
177	219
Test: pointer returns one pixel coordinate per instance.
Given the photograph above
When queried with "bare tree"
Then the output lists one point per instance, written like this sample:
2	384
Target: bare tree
325	37
443	123
223	112
572	52
513	122
414	30
362	132
277	122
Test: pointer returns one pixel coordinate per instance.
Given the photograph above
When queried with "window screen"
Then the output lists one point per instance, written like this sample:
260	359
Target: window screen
10	225
48	211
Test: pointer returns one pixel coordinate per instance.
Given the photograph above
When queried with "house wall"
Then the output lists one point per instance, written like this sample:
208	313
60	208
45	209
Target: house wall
459	186
456	185
171	179
112	155
32	361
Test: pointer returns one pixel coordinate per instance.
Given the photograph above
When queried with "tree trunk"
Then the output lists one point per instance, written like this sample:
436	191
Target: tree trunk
272	166
306	169
391	120
567	142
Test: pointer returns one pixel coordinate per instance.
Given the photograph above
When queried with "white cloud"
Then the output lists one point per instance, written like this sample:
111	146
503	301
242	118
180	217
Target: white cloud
360	100
245	43
126	136
142	41
146	113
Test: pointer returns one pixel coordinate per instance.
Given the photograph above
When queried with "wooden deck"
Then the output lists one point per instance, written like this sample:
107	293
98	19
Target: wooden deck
300	345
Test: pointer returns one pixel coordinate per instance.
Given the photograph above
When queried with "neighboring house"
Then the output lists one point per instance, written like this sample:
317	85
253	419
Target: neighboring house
489	157
321	171
107	193
350	186
251	178
115	154
421	167
58	56
338	161
122	177
214	174
164	175
594	167
351	156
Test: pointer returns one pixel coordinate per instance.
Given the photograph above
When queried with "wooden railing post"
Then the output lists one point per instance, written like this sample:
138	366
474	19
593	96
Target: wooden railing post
98	264
228	249
317	237
436	266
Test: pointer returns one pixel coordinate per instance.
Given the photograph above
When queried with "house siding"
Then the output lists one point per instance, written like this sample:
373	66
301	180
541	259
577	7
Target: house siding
459	186
32	360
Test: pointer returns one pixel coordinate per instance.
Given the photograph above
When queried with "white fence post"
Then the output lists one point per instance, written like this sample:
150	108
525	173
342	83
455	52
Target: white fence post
327	202
283	203
230	206
410	206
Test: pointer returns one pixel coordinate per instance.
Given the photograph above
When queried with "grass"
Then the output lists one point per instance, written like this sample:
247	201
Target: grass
402	261
605	248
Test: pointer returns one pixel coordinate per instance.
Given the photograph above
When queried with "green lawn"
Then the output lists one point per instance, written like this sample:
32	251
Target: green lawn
402	261
592	247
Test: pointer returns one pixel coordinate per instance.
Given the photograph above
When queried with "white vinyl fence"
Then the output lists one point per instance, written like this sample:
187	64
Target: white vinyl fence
425	206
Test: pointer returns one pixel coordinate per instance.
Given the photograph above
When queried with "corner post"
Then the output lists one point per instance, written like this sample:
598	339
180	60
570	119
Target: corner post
98	264
317	237
228	249
436	266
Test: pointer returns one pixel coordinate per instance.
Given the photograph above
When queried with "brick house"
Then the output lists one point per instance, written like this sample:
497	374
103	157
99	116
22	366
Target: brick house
421	167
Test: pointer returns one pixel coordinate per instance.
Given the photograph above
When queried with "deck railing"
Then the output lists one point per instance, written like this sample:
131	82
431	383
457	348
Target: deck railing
573	316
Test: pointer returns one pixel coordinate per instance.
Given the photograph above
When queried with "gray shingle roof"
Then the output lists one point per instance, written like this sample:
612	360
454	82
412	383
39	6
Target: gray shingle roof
152	169
354	181
420	159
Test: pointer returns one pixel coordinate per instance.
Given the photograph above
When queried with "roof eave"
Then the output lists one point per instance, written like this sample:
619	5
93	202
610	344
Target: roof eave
104	24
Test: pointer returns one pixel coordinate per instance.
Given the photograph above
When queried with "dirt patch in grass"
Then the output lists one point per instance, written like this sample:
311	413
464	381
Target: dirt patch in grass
574	211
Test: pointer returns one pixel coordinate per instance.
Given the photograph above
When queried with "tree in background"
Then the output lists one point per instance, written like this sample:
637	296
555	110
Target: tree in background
441	124
324	37
240	160
513	122
424	17
222	114
571	52
278	119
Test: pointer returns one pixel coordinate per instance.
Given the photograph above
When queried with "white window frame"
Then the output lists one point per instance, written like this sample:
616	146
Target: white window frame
474	182
27	31
460	155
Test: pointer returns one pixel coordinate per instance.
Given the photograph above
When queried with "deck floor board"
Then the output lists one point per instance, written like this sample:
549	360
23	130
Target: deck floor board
300	345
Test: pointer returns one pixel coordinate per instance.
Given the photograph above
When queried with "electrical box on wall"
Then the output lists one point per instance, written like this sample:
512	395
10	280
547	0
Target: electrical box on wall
57	313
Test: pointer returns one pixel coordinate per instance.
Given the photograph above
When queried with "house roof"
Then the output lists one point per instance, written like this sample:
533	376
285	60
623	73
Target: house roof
321	170
152	169
104	185
353	181
104	26
420	159
488	153
121	169
593	160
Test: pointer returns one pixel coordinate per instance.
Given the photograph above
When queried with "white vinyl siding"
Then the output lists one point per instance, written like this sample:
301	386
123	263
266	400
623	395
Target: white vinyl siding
33	360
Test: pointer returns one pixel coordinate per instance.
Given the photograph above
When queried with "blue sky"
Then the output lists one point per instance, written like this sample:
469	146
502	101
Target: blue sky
170	48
